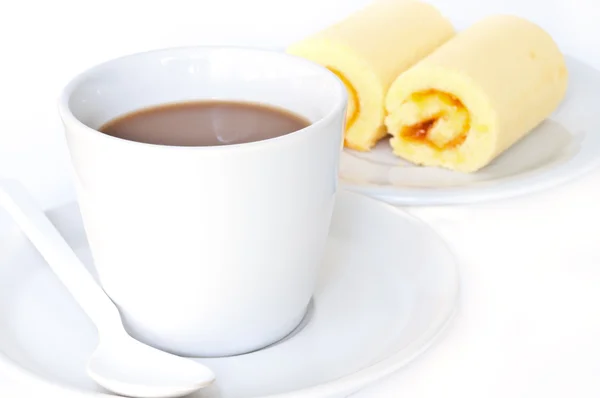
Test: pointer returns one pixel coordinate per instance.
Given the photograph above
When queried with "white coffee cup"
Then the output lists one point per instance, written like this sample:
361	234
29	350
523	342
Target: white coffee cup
207	251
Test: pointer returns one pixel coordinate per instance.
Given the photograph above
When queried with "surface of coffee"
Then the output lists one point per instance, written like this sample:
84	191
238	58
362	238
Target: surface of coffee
204	123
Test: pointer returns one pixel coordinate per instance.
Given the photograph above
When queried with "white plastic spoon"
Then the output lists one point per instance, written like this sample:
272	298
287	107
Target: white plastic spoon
120	363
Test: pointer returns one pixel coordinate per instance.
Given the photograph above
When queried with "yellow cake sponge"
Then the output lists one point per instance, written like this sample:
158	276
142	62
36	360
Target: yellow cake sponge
476	95
368	50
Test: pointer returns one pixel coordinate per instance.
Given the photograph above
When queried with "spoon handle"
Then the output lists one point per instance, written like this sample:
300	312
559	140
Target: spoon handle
59	255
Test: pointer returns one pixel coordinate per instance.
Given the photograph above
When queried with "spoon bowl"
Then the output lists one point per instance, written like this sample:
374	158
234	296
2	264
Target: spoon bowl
124	365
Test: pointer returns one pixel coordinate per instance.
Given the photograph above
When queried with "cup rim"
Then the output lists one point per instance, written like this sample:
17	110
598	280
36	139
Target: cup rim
70	119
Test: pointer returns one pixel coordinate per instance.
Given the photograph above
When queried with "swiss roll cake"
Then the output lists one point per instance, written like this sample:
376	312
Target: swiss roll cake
367	51
476	95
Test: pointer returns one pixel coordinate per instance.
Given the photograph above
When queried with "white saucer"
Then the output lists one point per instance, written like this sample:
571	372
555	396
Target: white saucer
389	287
563	147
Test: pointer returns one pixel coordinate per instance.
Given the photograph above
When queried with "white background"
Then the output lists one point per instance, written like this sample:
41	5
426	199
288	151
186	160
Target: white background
529	322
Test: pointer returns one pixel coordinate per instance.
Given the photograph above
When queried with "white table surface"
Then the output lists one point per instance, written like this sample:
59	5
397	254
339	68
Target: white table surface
529	318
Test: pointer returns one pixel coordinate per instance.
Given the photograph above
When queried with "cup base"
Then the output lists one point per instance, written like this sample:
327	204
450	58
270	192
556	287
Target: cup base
173	345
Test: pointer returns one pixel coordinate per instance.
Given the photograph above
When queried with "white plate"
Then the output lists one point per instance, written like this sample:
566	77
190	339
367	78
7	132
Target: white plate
563	147
388	288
